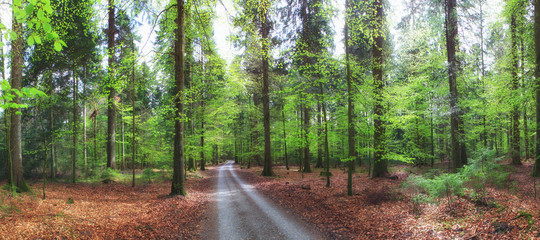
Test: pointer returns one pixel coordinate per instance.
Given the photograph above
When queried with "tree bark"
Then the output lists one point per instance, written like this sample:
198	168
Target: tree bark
536	168
111	104
178	180
350	107
284	138
319	163
75	113
516	151
16	177
380	165
134	126
451	42
307	157
267	169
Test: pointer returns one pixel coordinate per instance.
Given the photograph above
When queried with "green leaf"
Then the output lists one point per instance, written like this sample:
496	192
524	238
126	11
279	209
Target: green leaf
57	46
47	27
2	26
30	41
34	2
48	8
29	9
17	2
38	39
13	35
41	15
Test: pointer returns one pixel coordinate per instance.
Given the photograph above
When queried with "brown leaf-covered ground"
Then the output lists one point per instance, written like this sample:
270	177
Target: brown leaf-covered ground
380	209
106	211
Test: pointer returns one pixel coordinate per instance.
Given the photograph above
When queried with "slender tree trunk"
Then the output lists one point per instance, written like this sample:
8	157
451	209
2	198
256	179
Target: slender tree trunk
536	168
319	135
516	151
380	165
483	70
178	180
111	101
267	170
75	113
123	149
307	157
95	141
284	138
525	105
451	42
134	126
326	148
85	156
203	161
50	92
350	106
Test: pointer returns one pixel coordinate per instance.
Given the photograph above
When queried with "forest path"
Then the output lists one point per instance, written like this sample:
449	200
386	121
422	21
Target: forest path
241	212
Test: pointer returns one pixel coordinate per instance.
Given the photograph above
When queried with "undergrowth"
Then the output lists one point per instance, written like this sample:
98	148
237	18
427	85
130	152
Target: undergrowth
469	182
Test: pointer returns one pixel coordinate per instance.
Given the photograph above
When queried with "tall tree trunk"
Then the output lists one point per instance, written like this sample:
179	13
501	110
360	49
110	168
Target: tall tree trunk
95	141
483	70
350	106
111	101
123	148
380	164
284	138
16	177
85	152
134	126
326	150
75	114
203	161
319	135
516	151
267	170
178	180
525	106
536	168
307	157
451	42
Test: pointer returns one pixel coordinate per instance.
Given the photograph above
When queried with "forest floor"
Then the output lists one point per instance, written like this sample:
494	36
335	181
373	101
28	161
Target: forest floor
382	209
379	208
106	211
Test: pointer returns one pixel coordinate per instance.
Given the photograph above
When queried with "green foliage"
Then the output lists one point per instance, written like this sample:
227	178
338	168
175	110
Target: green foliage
110	175
473	179
149	175
70	201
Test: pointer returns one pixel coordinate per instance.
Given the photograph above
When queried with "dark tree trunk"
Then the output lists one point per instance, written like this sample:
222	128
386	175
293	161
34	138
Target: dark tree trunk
255	138
267	170
178	179
111	101
134	126
203	160
516	151
15	145
319	135
380	164
284	139
307	159
536	169
75	114
350	106
451	45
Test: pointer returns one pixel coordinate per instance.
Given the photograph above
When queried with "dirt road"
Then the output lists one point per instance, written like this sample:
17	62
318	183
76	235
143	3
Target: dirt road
241	212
